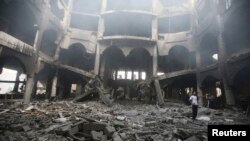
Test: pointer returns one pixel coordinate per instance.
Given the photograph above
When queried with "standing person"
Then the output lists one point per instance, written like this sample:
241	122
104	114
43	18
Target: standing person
194	101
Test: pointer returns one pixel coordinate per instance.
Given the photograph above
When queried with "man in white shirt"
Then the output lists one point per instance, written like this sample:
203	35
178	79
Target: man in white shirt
194	101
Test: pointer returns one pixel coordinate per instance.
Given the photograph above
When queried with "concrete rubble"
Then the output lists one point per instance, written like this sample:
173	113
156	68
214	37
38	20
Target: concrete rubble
68	121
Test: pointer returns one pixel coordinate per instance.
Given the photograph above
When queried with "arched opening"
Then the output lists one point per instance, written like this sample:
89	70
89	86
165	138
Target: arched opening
178	58
180	88
48	45
12	76
77	56
208	50
213	96
236	30
241	87
113	61
140	62
17	19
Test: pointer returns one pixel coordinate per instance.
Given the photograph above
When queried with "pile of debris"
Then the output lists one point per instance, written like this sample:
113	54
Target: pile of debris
68	121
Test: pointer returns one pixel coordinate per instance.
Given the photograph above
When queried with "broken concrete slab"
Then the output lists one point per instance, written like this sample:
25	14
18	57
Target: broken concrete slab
193	138
26	128
96	136
97	126
109	131
116	137
119	124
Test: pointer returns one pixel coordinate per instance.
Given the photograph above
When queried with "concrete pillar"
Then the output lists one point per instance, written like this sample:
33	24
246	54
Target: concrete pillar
102	67
140	75
97	59
222	65
155	28
1	50
58	47
104	6
54	86
160	99
38	35
198	79
17	82
126	74
28	88
133	75
35	88
116	73
67	17
79	88
155	61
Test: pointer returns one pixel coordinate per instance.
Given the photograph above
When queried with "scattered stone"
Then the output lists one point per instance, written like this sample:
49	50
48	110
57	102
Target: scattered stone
123	136
150	123
109	131
204	118
96	136
118	124
61	120
229	120
218	113
97	126
193	138
181	133
116	137
26	128
121	118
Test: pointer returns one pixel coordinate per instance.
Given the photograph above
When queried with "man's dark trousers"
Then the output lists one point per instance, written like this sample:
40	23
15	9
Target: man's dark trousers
194	111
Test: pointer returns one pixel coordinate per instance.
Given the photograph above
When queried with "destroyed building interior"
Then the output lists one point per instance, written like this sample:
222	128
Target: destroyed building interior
117	70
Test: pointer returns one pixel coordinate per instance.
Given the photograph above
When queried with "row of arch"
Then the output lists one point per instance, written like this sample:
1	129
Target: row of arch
138	58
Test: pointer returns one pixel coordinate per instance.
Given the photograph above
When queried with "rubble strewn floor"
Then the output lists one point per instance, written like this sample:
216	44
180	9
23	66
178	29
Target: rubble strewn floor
129	120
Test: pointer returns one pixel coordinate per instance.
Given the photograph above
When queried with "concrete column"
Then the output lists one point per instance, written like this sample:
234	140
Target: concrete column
104	6
160	99
17	82
1	50
133	75
102	67
59	42
155	28
1	63
198	79
140	75
155	61
116	73
54	86
222	65
38	35
28	88
67	17
97	59
79	88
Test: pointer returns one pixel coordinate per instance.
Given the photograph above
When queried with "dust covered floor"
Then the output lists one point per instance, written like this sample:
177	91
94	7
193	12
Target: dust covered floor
126	120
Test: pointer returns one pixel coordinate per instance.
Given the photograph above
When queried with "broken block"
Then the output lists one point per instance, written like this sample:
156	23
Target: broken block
193	138
96	136
97	126
116	137
74	130
26	128
104	138
109	131
119	124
